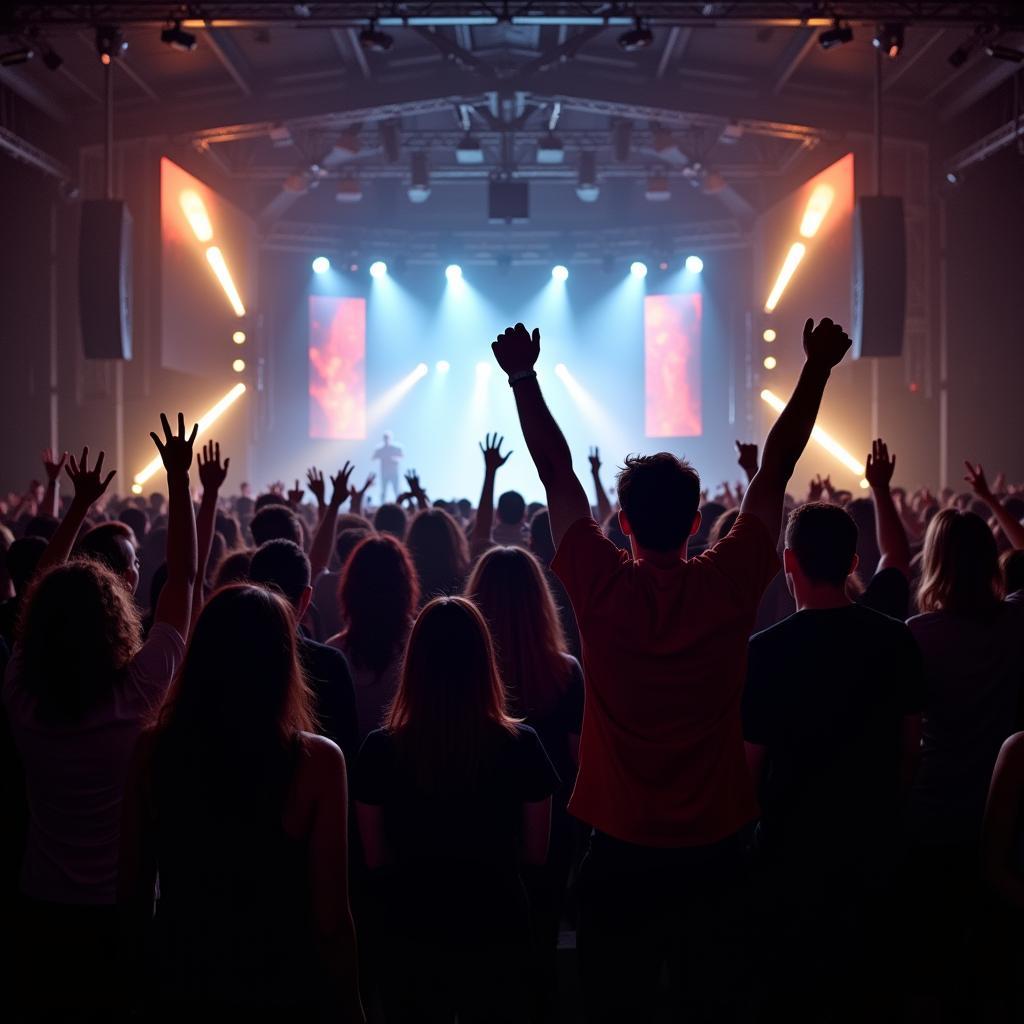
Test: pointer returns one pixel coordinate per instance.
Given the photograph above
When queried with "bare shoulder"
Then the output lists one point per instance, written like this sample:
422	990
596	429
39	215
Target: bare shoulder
1012	753
323	757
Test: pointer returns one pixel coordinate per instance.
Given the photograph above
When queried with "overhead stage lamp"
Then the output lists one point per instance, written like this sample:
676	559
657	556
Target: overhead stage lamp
469	150
321	265
22	55
639	37
375	41
889	39
837	35
694	264
378	269
560	273
178	39
442	366
638	269
453	272
110	43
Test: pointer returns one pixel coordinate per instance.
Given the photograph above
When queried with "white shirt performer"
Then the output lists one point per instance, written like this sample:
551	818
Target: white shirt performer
389	456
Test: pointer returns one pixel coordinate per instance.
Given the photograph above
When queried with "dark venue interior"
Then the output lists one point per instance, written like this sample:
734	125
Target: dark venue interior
512	511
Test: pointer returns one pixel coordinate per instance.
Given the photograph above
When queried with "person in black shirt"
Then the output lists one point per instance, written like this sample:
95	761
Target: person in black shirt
831	719
452	796
283	565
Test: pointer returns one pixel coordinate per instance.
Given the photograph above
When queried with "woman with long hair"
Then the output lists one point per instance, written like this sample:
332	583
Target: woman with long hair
439	551
241	810
78	692
378	594
453	795
972	643
545	688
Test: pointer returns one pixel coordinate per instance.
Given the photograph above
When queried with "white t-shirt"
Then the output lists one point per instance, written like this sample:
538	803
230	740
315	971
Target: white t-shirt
389	455
75	775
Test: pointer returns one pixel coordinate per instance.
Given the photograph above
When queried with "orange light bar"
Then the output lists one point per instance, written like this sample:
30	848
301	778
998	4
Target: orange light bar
796	253
216	260
817	208
205	422
194	208
825	439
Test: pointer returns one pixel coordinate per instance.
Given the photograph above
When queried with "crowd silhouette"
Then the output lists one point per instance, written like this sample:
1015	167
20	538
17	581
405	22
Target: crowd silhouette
732	757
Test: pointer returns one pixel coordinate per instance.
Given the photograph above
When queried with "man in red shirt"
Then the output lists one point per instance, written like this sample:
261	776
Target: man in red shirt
662	777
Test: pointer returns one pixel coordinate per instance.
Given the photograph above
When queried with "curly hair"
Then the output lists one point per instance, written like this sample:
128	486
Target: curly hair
79	628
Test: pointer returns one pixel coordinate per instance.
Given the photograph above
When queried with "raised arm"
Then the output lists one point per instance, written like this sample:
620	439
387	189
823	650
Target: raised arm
604	506
174	607
493	461
323	540
1002	819
356	495
211	475
517	351
1013	530
824	347
51	499
416	489
316	486
747	459
89	487
892	538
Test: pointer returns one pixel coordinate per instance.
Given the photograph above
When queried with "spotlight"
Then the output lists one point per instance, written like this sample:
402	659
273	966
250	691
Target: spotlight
419	182
238	365
136	488
864	485
769	335
442	366
469	150
422	369
178	39
954	177
817	207
638	269
349	191
378	269
13	57
321	265
110	43
374	41
587	188
889	39
663	265
796	253
694	264
192	205
560	273
550	149
238	337
483	369
561	371
1004	53
453	272
639	37
837	35
770	362
52	59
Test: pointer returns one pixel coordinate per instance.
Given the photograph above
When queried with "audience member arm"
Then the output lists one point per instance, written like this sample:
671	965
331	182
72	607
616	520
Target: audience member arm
211	475
517	352
323	539
356	495
51	499
892	537
1011	528
484	521
174	607
89	487
1002	818
824	346
604	506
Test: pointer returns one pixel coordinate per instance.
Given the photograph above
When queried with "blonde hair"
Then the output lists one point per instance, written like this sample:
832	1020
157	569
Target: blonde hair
959	566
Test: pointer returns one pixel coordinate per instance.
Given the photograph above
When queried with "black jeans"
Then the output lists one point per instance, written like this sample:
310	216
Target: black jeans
663	926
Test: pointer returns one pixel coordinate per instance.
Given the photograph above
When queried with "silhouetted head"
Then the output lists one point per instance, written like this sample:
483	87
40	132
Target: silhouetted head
722	525
387	437
1012	565
821	545
658	498
439	551
234	568
283	566
508	586
22	558
959	566
542	544
511	508
114	545
348	540
275	522
390	518
79	629
41	525
377	597
136	520
228	527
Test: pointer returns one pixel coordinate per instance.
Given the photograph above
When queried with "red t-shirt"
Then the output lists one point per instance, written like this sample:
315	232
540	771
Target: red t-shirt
664	655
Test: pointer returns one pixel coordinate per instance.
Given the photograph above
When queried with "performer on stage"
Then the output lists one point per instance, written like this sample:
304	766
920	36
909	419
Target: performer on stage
389	456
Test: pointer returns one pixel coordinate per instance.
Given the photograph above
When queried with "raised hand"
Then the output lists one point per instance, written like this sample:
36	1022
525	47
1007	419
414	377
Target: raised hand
212	472
339	483
493	459
976	478
747	458
826	344
315	479
295	495
175	450
516	349
815	489
828	490
52	465
89	484
880	466
594	458
360	492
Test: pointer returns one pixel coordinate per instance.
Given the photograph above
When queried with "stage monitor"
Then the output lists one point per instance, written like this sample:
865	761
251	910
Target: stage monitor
208	277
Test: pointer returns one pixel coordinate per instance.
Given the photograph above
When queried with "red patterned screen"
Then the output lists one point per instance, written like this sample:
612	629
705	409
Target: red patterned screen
337	368
672	365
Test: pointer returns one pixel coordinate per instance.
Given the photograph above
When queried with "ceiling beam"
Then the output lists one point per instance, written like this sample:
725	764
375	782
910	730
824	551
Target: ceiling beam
561	52
226	50
33	95
21	149
456	53
678	40
358	54
991	78
799	44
